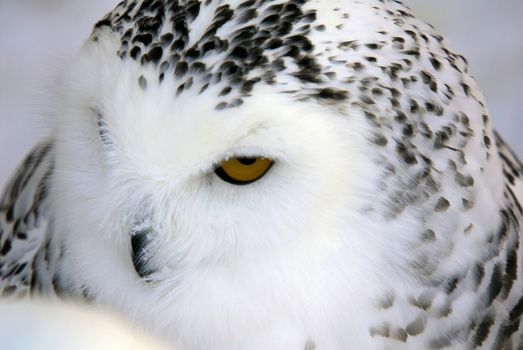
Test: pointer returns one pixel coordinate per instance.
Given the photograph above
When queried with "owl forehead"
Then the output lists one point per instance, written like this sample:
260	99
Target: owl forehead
235	45
369	56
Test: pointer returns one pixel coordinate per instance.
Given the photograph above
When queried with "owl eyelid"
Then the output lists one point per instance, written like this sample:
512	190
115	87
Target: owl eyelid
218	163
241	155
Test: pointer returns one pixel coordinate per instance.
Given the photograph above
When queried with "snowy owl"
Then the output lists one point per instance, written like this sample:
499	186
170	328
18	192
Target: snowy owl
284	175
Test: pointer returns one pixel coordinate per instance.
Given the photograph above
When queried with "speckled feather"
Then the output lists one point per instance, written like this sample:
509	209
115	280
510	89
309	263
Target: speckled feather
24	226
428	256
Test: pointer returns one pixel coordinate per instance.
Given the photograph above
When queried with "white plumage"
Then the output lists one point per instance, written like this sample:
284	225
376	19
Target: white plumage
388	218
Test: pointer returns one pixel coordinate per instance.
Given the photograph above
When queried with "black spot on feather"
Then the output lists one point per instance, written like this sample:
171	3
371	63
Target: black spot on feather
332	94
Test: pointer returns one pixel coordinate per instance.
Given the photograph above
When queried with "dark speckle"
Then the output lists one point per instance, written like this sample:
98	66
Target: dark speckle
239	52
482	330
429	236
435	63
220	106
225	91
451	285
440	343
6	248
467	204
380	331
135	52
511	270
102	23
495	284
380	140
464	181
142	82
416	327
331	94
399	334
145	39
155	54
181	69
442	205
8	291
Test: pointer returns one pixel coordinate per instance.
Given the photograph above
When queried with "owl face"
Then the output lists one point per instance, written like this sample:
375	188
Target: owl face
218	201
271	173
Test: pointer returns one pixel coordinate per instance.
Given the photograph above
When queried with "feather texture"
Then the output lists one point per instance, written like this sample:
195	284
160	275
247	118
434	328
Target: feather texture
390	218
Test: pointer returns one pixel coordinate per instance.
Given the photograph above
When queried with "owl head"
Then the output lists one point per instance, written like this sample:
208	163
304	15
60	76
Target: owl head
282	152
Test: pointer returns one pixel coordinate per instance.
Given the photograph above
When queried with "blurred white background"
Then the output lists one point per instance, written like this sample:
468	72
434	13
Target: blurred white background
55	325
36	35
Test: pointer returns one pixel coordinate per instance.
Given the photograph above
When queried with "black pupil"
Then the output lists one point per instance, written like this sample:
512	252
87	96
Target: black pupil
247	161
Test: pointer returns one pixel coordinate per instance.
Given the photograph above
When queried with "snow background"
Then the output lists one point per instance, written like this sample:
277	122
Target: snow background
36	35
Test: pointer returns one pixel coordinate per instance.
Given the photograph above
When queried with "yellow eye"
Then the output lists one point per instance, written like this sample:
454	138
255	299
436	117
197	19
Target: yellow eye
243	170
